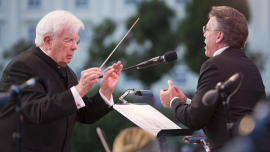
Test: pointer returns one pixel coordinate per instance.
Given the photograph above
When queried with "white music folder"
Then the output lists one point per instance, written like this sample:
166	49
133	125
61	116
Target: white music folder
145	117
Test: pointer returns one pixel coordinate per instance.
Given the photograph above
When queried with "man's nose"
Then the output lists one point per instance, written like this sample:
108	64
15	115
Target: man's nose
74	46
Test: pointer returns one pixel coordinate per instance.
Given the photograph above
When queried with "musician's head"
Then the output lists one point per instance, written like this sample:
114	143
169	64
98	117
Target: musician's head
57	35
226	27
135	140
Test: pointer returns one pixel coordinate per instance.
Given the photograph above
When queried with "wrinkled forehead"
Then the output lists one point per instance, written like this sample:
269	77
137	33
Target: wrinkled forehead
68	33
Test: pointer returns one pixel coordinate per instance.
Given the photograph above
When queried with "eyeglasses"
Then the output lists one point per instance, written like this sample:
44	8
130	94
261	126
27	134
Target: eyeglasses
69	42
205	29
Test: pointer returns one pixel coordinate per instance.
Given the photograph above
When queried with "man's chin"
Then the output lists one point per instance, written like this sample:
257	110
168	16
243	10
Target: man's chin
68	60
205	52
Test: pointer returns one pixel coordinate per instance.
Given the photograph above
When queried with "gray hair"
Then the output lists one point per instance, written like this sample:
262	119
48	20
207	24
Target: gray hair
232	23
55	23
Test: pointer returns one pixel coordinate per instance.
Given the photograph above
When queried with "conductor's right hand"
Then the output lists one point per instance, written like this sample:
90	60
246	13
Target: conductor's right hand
88	78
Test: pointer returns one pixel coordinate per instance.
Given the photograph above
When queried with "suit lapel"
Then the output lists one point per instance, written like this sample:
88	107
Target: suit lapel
71	77
52	64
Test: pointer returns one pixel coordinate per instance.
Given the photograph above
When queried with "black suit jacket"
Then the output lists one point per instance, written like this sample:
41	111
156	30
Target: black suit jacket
48	119
212	119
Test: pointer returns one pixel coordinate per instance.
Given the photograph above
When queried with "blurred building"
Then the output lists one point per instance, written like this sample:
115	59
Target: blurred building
18	19
259	35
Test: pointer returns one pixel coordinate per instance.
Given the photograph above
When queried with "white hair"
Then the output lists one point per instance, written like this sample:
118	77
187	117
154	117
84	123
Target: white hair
55	23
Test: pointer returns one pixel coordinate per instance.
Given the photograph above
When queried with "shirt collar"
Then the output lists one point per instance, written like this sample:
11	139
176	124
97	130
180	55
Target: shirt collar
43	51
48	55
220	51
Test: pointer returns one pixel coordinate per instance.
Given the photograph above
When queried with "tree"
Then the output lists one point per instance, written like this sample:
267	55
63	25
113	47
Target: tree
152	36
190	30
15	50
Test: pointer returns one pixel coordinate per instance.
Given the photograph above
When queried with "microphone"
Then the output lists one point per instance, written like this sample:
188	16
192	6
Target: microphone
167	57
144	93
210	97
15	90
233	78
4	98
140	93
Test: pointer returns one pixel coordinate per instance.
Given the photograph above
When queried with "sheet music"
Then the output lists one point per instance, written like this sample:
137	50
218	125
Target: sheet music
146	117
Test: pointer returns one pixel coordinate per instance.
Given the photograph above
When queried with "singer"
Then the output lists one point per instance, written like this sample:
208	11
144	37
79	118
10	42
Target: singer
49	120
225	35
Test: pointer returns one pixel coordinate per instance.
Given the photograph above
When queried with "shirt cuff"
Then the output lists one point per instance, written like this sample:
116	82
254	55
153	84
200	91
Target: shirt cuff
187	102
172	101
109	102
78	99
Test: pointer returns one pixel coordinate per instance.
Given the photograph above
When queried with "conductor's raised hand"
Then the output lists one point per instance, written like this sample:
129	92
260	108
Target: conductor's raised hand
88	78
166	95
110	79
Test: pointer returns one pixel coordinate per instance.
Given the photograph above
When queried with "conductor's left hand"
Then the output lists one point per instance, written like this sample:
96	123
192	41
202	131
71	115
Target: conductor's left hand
110	79
166	95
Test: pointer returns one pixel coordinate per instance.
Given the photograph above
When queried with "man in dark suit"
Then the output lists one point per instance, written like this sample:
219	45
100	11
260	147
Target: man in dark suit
225	36
49	119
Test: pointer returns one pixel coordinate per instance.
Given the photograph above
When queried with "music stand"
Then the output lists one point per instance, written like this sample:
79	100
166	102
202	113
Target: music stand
151	120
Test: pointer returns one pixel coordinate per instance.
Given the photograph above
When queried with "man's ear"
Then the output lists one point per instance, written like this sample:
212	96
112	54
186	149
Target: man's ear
219	37
47	41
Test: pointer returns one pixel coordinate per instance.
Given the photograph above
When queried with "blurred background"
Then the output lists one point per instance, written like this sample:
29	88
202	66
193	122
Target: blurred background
164	25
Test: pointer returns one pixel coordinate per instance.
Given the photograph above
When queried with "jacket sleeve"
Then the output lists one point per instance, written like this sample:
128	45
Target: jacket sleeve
196	115
95	108
36	105
39	107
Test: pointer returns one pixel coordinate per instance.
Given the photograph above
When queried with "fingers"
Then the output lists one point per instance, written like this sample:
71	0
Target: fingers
165	97
88	78
170	84
171	87
119	70
116	69
180	94
164	89
107	69
116	65
108	73
91	78
177	89
90	71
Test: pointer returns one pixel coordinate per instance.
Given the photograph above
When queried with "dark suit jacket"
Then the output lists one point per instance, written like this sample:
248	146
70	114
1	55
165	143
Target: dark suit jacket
48	120
212	119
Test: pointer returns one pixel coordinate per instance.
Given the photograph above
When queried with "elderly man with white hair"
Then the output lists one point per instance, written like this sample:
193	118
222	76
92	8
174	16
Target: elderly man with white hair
49	119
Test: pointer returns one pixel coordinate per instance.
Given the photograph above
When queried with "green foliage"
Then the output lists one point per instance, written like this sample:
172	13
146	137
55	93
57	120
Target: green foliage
16	49
98	50
190	28
152	36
